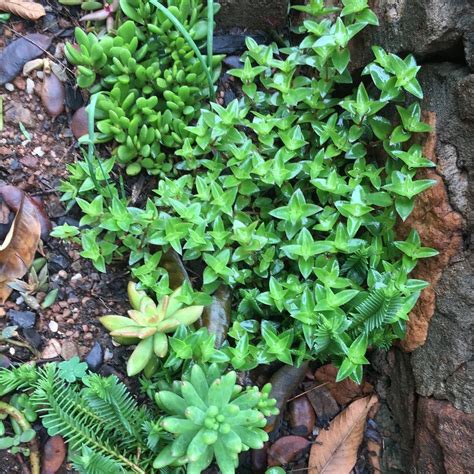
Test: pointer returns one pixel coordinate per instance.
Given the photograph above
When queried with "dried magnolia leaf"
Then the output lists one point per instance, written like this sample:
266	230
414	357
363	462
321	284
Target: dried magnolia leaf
32	66
23	9
335	451
18	250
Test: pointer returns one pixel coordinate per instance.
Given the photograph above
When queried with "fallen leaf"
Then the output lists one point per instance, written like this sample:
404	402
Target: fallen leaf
345	391
302	417
284	382
52	94
20	51
24	9
285	449
79	123
18	250
323	402
53	455
12	196
335	450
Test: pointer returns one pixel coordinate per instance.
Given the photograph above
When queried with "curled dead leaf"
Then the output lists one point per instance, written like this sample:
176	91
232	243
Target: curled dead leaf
18	250
53	95
53	455
13	196
335	451
23	9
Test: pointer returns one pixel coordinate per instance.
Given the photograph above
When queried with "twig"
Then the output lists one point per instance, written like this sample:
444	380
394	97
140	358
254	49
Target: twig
24	425
307	391
39	47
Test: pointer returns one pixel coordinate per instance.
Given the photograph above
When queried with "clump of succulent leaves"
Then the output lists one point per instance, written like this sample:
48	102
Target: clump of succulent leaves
291	196
148	325
151	84
211	418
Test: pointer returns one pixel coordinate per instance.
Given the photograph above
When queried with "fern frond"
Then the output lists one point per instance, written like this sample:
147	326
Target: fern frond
356	266
90	462
22	377
63	412
377	309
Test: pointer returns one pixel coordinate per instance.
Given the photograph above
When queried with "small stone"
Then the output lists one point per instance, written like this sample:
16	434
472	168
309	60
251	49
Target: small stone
88	336
30	86
14	113
108	355
69	350
62	274
9	87
22	319
52	349
95	358
286	449
39	74
57	262
20	83
32	337
53	326
38	151
29	161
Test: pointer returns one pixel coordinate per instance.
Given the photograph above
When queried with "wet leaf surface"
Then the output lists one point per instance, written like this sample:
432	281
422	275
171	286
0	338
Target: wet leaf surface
20	51
172	263
286	449
302	416
216	316
53	455
53	95
335	451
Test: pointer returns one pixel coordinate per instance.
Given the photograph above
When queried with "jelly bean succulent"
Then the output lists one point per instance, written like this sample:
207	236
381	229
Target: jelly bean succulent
212	418
148	325
151	83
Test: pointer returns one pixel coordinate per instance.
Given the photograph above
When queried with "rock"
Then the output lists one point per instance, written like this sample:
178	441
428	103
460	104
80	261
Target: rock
234	43
57	262
19	52
30	86
345	391
9	87
22	319
444	438
426	28
52	349
253	14
69	350
32	337
20	83
95	357
286	449
302	417
53	326
54	453
15	112
79	125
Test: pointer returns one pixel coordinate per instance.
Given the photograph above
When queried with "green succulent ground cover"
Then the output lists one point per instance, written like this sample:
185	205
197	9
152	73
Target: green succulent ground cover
286	199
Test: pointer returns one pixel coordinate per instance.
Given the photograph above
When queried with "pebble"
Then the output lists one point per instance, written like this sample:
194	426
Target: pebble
2	313
62	274
52	350
20	83
69	350
53	326
30	86
9	87
33	337
14	113
22	319
95	357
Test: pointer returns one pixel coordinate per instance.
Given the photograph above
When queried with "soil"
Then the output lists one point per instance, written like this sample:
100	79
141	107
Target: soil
36	161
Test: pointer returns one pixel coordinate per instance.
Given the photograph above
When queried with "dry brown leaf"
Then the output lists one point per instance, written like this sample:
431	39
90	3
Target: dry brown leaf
23	9
18	250
335	450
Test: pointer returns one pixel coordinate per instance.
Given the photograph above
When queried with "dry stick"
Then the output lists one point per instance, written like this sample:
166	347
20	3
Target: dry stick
39	47
24	425
307	391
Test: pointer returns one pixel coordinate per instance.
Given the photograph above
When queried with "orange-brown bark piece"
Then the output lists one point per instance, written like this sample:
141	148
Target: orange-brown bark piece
335	451
439	227
18	250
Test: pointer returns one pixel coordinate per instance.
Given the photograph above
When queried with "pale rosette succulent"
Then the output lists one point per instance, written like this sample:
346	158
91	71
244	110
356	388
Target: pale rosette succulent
148	325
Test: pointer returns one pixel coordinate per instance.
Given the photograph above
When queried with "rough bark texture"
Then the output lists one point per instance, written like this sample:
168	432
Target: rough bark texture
421	434
253	14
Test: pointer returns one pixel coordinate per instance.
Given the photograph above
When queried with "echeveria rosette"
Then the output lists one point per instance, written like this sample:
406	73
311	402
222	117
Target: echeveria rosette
212	418
148	325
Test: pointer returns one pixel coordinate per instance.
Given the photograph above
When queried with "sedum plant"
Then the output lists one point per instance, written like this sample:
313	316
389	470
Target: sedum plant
150	81
148	325
212	418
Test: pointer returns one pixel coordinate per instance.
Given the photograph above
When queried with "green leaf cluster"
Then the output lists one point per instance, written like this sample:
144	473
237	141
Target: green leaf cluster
150	82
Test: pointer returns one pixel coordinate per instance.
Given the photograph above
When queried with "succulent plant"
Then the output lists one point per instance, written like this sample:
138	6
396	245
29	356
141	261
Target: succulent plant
212	417
148	325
